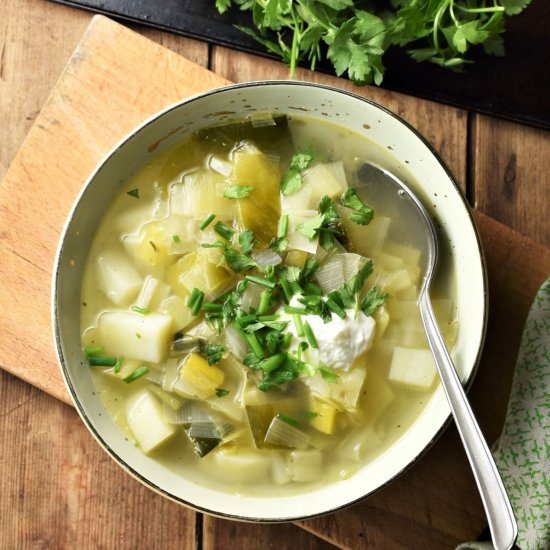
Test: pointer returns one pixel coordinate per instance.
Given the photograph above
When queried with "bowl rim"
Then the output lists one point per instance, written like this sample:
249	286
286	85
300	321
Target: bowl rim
467	382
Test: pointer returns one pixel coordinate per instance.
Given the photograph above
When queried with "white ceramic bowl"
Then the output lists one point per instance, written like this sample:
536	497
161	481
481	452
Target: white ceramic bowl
412	155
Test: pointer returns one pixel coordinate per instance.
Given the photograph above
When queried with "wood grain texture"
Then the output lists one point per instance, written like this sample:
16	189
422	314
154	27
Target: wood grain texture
105	90
60	490
434	505
443	126
511	175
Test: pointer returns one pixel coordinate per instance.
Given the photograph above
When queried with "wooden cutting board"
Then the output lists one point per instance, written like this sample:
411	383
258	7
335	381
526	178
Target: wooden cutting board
114	80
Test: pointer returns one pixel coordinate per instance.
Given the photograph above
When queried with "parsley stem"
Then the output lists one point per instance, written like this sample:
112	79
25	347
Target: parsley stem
299	325
254	344
102	361
265	300
206	222
260	281
310	336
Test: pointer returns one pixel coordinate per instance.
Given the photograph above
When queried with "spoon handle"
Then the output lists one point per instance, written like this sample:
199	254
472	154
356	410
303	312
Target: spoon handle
500	516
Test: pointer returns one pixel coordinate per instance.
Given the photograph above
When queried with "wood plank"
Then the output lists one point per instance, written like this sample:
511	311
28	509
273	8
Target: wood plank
73	132
61	490
220	533
443	126
510	171
435	504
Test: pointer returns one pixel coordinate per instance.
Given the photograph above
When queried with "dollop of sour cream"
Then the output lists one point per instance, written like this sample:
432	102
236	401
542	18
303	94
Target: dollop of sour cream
340	341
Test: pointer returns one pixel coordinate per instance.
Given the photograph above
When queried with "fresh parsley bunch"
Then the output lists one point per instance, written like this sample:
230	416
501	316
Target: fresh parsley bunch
354	35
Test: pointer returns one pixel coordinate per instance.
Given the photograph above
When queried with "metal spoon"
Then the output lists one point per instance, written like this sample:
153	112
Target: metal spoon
493	494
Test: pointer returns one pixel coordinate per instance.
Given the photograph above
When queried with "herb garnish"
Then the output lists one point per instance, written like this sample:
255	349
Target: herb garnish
362	213
224	231
138	373
354	36
133	193
291	181
235	191
221	392
214	353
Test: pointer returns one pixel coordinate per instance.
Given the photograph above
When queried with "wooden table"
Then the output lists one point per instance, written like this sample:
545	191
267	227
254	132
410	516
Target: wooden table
58	488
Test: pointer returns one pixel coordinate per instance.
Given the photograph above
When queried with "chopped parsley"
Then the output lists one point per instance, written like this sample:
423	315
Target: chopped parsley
291	181
214	353
133	193
362	213
246	240
224	231
221	392
235	191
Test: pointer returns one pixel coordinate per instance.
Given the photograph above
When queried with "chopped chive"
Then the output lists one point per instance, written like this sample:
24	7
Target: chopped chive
296	288
310	336
193	297
102	361
260	281
287	338
206	222
273	362
224	231
293	310
302	346
268	318
221	392
333	306
138	373
118	365
93	350
176	238
133	193
288	419
254	344
244	320
310	415
299	325
286	289
312	288
196	307
141	310
265	300
210	307
138	335
282	226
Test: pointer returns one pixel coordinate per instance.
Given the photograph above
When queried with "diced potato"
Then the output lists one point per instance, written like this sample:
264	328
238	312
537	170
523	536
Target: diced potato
260	211
408	254
347	390
366	240
117	278
325	415
152	247
240	467
382	318
198	378
176	307
305	465
413	368
136	336
144	416
399	280
378	395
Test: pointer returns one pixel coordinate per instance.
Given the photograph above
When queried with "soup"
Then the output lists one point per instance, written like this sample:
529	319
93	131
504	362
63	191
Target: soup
249	309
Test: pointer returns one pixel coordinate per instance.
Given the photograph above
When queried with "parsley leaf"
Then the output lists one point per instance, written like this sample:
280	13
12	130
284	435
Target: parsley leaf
214	353
235	191
246	240
224	231
373	300
237	261
362	214
291	181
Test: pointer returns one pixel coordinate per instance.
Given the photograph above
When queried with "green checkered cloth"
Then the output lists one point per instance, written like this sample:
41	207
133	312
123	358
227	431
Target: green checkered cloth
522	452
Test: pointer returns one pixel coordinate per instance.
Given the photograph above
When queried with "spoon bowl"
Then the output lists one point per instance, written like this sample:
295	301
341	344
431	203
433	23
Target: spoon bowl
495	500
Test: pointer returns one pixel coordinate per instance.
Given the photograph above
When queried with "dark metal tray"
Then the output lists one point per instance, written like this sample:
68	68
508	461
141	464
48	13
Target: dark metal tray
515	87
